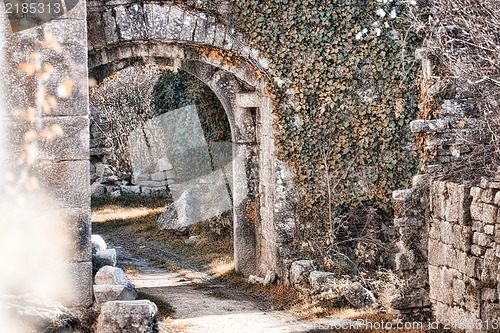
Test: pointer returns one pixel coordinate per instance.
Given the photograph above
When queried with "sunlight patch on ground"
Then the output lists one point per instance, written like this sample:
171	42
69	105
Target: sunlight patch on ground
111	213
221	266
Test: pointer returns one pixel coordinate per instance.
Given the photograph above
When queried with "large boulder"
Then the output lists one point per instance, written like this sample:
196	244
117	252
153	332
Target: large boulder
182	213
128	316
111	275
360	297
299	273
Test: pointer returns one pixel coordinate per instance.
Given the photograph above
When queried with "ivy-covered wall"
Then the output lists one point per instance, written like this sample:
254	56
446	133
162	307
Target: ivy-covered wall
344	86
343	103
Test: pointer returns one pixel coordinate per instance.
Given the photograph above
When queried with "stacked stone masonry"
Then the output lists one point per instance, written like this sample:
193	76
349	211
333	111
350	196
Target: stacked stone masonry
464	254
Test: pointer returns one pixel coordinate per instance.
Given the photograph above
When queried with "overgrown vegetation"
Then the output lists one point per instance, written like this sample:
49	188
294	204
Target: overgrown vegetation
346	95
464	46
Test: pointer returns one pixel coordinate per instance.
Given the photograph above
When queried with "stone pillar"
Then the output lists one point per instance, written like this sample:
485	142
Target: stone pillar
55	88
411	207
245	210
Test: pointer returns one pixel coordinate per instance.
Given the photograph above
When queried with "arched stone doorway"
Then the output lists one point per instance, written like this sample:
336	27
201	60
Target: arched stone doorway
138	34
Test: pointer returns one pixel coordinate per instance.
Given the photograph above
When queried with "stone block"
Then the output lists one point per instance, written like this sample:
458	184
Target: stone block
360	297
136	21
156	20
109	26
428	126
462	236
447	234
175	23
108	292
466	264
80	294
482	239
489	295
112	275
188	27
490	316
477	250
489	214
158	176
103	258
458	291
220	35
438	200
155	191
451	257
436	253
489	229
477	226
472	297
490	266
123	25
67	182
435	283
497	199
97	189
299	272
435	230
475	192
476	210
128	316
201	28
319	280
487	196
130	189
98	243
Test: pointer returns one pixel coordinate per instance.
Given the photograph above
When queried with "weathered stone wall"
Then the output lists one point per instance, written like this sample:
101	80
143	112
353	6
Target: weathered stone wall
62	162
464	253
449	244
410	212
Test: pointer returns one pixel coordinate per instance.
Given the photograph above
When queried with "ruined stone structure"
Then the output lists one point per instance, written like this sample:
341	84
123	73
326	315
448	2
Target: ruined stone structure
449	229
127	33
449	232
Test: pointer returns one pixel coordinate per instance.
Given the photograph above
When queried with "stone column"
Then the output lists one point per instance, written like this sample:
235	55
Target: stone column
245	201
56	90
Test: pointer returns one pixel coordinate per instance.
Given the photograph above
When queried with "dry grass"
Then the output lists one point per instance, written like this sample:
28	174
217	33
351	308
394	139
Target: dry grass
214	254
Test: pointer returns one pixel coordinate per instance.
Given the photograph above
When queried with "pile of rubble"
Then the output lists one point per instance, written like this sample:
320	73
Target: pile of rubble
116	297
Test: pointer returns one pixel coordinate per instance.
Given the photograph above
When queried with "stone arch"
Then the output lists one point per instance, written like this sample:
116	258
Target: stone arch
133	33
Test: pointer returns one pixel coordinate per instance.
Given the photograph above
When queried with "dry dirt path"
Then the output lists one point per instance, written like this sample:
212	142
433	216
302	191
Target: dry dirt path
201	304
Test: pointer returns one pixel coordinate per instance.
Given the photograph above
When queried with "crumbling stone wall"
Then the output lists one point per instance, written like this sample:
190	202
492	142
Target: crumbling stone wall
464	252
448	223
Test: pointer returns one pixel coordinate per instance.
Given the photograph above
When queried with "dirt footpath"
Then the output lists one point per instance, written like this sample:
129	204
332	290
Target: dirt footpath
201	304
